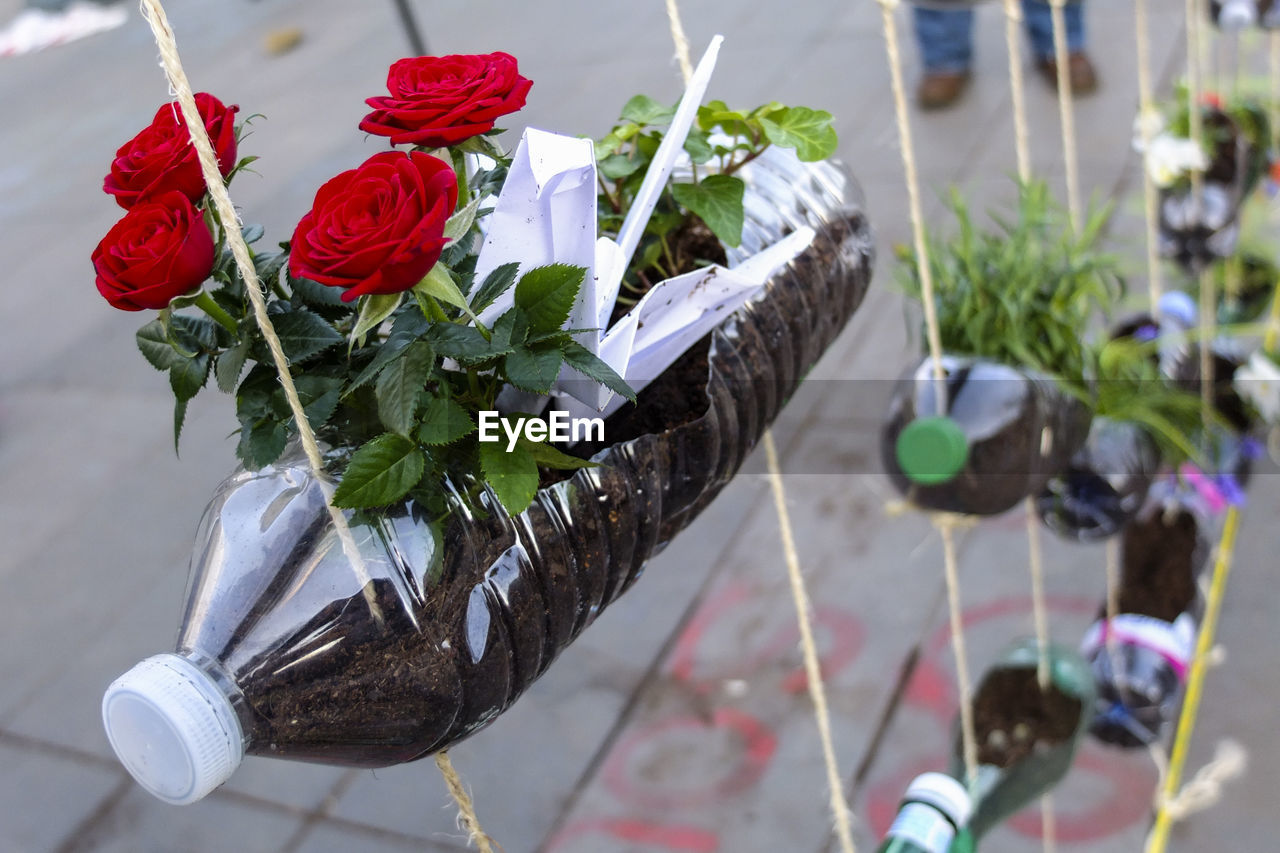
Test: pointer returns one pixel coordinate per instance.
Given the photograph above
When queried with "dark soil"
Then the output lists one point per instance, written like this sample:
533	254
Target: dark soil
1159	568
1013	718
1225	398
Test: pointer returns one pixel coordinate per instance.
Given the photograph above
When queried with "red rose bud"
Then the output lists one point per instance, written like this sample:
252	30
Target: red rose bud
437	101
161	250
162	159
378	228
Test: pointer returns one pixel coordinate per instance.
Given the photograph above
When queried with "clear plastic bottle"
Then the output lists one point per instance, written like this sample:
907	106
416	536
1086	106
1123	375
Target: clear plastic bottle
1236	15
289	647
1006	433
932	816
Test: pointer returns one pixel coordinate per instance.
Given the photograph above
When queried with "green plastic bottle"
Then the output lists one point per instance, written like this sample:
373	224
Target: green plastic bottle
932	816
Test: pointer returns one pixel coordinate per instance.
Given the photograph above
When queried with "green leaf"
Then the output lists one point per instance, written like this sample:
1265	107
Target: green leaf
715	114
230	364
460	223
188	375
388	350
315	294
698	147
808	131
439	283
303	334
513	476
545	295
465	344
494	285
319	396
268	268
179	417
585	362
373	310
534	369
717	201
548	456
443	422
153	343
251	233
618	166
643	110
401	384
262	443
380	472
511	329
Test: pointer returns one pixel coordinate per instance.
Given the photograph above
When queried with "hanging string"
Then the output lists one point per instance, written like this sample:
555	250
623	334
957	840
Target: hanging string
681	43
466	810
944	523
809	648
1039	611
1017	89
1146	109
1112	549
1066	111
1159	837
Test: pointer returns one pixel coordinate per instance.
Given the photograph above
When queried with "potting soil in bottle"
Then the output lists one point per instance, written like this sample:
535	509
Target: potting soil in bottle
1004	434
1140	659
931	818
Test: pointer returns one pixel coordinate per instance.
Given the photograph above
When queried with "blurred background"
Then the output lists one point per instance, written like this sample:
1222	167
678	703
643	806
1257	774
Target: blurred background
680	720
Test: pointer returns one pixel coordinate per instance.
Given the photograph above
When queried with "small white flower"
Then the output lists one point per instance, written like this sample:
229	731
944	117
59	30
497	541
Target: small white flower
1171	157
1258	381
1147	124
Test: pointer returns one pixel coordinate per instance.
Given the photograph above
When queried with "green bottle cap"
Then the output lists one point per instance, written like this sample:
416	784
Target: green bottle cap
932	450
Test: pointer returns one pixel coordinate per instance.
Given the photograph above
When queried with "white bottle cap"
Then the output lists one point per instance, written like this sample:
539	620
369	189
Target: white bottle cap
172	728
944	794
1237	15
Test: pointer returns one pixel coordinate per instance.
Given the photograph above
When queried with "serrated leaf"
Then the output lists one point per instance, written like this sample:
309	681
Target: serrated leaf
585	362
179	418
443	422
319	396
808	131
494	285
513	476
643	110
251	233
268	268
188	375
230	364
463	343
380	472
460	223
401	384
316	294
373	310
545	295
440	284
193	333
153	343
534	369
390	349
548	456
717	201
303	334
262	443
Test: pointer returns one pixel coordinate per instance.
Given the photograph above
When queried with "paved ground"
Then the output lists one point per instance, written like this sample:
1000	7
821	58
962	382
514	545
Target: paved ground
679	721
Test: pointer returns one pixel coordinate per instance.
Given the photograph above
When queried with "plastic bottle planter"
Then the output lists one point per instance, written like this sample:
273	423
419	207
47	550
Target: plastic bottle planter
1140	674
1236	15
1194	231
1105	484
1026	737
287	650
1245	284
1006	434
931	818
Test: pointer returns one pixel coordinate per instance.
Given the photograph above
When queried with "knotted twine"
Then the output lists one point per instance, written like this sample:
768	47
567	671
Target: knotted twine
154	14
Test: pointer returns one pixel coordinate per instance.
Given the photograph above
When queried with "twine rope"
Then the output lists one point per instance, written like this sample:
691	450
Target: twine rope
153	13
1017	88
1048	824
946	526
681	42
466	810
1146	107
1112	549
809	649
1066	111
1158	840
1039	610
1272	334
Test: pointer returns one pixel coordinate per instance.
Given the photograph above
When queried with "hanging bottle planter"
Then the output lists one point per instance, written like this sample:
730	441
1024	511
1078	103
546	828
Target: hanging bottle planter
1139	659
1238	15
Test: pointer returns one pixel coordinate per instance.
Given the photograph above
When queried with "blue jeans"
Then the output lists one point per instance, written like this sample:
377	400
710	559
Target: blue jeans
946	37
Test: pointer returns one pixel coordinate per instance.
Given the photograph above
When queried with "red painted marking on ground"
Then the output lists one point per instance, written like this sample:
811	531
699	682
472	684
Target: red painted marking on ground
685	653
687	839
755	747
1125	802
941	638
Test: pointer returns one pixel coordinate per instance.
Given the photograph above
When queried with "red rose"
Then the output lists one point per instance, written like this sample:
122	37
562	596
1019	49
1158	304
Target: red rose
441	100
161	158
159	251
378	228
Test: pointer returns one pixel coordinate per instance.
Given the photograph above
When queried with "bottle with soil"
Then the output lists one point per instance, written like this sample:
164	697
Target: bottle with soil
1006	432
1139	660
931	818
1026	737
1236	15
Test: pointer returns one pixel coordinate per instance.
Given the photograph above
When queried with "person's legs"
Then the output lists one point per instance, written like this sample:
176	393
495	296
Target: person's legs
946	49
1038	15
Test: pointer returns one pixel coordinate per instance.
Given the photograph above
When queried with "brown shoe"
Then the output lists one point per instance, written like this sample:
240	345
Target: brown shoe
1080	71
939	90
